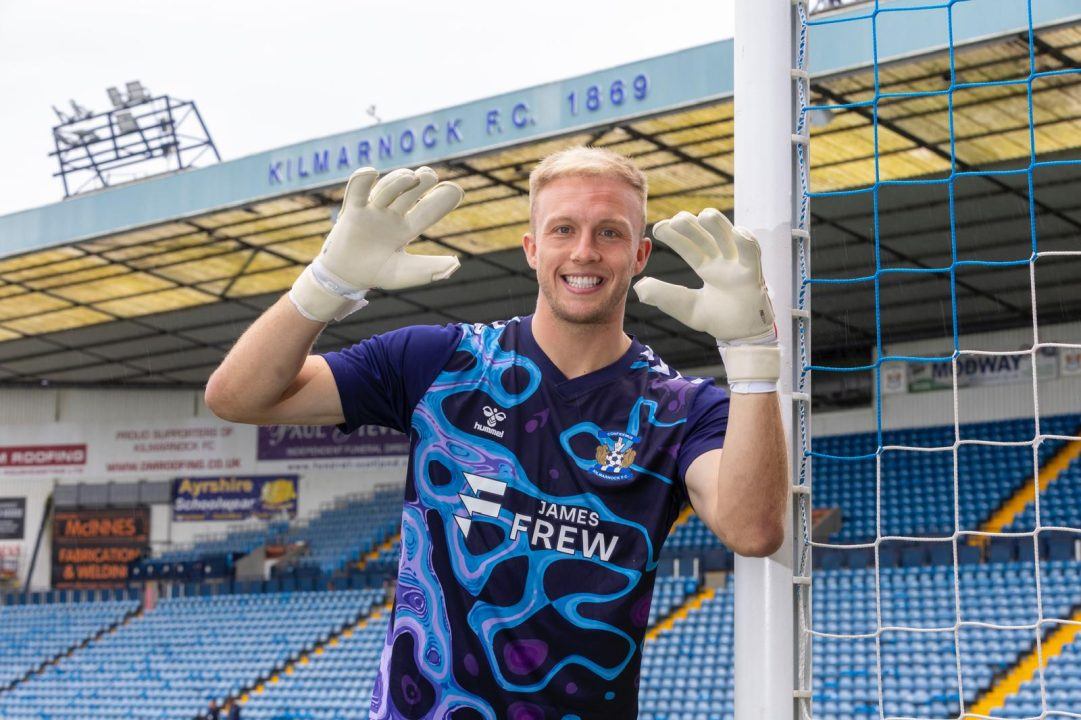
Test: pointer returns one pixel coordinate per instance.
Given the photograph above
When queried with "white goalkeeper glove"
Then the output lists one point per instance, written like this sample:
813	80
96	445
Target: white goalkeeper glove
366	247
733	305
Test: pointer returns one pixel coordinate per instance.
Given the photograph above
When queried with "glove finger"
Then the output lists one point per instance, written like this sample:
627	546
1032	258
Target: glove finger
691	254
359	187
431	208
675	300
688	226
427	179
750	252
719	227
403	270
391	186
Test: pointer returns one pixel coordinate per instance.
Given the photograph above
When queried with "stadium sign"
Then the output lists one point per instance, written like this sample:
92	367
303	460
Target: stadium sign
513	118
982	370
92	548
234	498
168	449
40	456
12	518
295	442
1070	361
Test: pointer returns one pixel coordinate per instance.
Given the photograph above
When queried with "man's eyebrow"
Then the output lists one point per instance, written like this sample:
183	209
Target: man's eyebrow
559	219
603	221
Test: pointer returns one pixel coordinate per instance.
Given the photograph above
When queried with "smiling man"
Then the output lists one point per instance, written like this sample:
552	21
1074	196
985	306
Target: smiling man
550	454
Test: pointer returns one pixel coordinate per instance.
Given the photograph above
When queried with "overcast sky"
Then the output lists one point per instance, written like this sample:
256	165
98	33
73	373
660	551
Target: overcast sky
269	73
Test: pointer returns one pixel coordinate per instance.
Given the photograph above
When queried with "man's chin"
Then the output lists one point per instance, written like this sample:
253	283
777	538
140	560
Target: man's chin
586	316
593	312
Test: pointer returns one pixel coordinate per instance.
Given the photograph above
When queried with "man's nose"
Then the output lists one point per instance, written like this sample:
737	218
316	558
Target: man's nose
585	250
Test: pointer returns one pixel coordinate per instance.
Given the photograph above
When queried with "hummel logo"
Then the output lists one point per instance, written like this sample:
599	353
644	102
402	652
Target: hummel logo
477	506
495	416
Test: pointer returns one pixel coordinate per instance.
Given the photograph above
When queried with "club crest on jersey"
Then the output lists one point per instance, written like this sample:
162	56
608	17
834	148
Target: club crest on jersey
615	455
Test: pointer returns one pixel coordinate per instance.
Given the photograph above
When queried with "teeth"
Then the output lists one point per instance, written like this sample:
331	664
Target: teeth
582	281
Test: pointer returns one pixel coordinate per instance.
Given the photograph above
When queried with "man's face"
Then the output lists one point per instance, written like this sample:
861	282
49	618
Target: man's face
586	243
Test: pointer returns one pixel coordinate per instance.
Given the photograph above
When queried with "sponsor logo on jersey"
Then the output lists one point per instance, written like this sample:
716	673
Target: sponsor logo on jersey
493	416
567	529
476	505
615	456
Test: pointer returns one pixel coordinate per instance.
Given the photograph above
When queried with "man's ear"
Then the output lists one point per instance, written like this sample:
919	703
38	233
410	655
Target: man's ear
529	244
641	257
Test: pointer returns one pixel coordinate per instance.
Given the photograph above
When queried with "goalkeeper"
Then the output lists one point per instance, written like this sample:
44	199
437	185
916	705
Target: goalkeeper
550	454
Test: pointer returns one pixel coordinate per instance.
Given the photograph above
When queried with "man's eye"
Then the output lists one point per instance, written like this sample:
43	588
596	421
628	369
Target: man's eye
562	230
610	233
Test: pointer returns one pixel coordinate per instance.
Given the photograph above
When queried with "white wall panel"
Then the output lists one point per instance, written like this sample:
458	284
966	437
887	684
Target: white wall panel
111	406
1059	396
33	406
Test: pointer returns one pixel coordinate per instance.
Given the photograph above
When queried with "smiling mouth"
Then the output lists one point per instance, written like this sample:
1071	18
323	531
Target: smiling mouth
582	282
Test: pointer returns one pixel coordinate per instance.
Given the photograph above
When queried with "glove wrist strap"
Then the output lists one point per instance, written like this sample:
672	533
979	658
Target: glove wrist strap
322	296
754	387
752	368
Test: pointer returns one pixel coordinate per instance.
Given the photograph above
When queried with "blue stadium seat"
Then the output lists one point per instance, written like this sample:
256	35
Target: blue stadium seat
168	662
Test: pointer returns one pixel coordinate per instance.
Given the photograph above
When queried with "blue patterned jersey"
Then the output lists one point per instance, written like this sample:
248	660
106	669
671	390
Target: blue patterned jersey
535	510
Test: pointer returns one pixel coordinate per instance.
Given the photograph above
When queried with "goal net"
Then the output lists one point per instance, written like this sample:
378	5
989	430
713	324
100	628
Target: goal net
937	226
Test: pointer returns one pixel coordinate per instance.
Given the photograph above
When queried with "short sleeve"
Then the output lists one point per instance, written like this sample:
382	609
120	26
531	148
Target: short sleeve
380	380
707	422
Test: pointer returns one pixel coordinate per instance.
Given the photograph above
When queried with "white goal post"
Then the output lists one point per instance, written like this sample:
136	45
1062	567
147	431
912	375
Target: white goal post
772	661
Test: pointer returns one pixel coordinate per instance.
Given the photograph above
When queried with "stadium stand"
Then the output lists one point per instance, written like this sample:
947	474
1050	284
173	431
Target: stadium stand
921	664
1060	504
917	581
917	487
1062	678
687	668
31	635
333	685
240	541
168	663
334	538
385	559
346	532
691	535
670	593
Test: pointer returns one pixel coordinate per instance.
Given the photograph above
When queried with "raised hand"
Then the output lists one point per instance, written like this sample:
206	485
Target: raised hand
733	304
366	247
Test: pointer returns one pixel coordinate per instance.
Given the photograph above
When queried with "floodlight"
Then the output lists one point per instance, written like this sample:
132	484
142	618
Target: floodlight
66	138
137	93
158	134
115	97
125	122
81	113
87	136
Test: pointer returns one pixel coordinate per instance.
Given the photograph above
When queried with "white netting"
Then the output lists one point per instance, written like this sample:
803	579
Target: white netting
933	626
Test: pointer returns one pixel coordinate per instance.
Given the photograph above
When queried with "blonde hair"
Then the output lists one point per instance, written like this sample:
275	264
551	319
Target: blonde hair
584	161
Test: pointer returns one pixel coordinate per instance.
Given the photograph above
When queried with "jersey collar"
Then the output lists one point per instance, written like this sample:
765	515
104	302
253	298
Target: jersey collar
579	385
